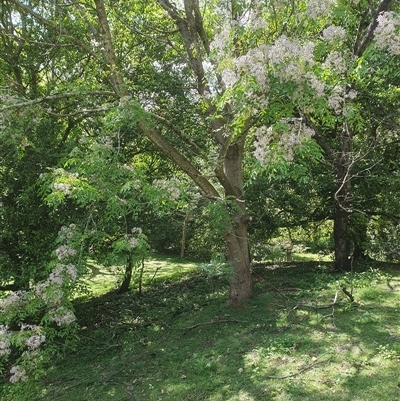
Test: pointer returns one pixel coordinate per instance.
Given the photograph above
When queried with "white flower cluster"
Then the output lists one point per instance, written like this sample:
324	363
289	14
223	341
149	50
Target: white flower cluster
29	327
62	187
287	139
221	39
64	251
319	8
131	238
56	276
333	32
17	374
13	299
263	136
293	55
170	187
54	281
292	139
338	98
254	63
316	84
256	20
5	337
35	341
336	62
387	33
292	60
229	77
67	233
52	293
62	316
36	338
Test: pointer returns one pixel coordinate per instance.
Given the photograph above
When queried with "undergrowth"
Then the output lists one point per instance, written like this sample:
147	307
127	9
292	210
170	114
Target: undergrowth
299	337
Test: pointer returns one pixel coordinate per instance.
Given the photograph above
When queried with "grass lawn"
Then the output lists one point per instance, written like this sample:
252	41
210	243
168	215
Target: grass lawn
294	340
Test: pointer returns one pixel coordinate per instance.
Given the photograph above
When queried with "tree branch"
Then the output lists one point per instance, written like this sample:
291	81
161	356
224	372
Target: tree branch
117	80
184	164
319	139
360	46
196	149
56	97
28	10
145	126
190	35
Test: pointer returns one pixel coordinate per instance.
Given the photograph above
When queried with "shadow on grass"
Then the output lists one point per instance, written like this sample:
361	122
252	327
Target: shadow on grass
180	342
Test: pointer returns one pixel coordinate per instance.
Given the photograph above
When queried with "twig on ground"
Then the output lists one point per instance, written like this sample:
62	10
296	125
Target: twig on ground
311	365
331	315
130	392
212	322
317	307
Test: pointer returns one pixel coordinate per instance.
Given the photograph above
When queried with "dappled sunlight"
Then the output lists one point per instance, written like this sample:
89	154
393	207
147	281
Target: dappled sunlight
242	396
101	279
179	341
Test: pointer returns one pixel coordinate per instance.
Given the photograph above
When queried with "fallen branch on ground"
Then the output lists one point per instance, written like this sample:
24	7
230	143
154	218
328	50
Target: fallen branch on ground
317	307
212	322
311	365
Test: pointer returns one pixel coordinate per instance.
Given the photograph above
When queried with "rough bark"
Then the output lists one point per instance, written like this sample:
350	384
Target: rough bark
237	241
240	288
340	229
343	202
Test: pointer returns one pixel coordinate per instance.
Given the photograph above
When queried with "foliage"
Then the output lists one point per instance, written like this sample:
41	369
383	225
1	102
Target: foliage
351	281
218	267
384	237
33	320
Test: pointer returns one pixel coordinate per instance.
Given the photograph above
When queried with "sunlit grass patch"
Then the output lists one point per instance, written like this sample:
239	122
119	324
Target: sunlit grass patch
101	279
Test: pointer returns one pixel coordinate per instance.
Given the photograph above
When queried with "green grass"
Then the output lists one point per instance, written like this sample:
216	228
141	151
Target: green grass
180	342
100	279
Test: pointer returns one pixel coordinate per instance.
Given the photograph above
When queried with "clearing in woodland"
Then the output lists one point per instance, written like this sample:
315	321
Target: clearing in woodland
299	337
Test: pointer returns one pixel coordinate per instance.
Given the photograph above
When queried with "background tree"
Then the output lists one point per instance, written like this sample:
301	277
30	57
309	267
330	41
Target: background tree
320	83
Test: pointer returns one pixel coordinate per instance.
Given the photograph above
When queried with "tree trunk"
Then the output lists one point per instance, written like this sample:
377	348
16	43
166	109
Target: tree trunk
141	271
340	229
342	203
184	230
240	289
124	287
